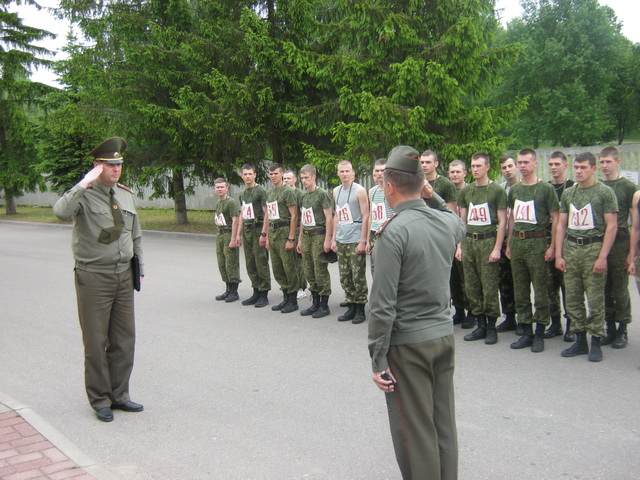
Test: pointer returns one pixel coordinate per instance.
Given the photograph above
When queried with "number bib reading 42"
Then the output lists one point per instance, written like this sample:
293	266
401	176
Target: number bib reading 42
581	219
478	215
524	212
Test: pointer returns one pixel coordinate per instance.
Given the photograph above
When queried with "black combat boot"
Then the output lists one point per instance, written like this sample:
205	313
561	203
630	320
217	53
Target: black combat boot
537	345
526	340
323	308
314	306
263	299
280	306
578	348
344	304
359	317
508	324
621	338
568	336
492	333
252	299
480	332
233	293
349	314
595	354
469	321
520	329
459	316
555	329
611	333
224	295
292	303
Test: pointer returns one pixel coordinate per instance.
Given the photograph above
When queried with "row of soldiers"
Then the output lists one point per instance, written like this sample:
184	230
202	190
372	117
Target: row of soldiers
554	236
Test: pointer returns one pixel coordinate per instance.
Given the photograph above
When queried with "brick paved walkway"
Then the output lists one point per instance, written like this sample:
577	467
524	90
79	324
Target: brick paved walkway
26	455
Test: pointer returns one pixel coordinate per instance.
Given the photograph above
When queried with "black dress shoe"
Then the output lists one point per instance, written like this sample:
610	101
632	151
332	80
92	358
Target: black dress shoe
104	414
127	406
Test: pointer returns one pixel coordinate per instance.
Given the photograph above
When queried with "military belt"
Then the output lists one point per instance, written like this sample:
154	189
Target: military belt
583	240
481	236
224	229
523	235
314	231
253	224
274	225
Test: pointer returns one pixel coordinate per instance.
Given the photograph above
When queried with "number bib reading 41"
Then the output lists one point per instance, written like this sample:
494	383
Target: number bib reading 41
581	219
524	212
478	215
308	218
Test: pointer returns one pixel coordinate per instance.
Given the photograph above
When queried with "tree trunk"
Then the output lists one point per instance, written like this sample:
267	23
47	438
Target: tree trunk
620	134
9	203
179	198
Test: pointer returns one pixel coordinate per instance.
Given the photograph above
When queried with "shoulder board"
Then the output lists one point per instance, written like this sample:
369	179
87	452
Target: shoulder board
384	225
124	187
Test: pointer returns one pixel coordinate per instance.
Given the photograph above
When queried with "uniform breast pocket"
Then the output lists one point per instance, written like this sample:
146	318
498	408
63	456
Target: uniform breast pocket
128	219
101	215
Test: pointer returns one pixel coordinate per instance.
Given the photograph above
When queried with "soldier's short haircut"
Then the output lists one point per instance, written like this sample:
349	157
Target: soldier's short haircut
275	166
430	153
528	151
612	152
289	170
345	162
482	155
585	157
248	166
406	183
220	180
559	154
380	161
458	163
308	169
504	158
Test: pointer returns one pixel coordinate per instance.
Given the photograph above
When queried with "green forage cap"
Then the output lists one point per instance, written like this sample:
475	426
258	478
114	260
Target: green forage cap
110	151
405	159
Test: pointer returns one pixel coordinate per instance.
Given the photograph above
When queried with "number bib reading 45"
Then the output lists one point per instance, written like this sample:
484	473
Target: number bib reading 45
478	215
581	219
524	212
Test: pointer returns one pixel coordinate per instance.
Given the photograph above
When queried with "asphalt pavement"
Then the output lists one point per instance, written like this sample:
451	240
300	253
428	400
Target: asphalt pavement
234	392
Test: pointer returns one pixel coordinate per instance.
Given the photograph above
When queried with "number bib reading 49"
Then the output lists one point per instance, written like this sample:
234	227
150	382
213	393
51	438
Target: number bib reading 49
308	218
478	215
524	212
273	210
378	212
581	219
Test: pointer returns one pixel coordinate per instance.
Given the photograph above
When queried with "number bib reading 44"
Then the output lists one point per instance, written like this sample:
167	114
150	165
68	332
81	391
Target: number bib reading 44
524	212
344	215
581	219
273	210
478	215
247	211
308	218
220	221
378	212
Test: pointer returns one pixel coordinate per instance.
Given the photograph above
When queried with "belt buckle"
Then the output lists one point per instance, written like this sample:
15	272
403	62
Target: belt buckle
522	235
579	241
475	236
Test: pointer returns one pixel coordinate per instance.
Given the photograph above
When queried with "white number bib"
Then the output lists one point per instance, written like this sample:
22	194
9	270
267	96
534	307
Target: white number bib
378	212
581	219
344	215
308	218
220	221
273	210
247	211
524	212
478	215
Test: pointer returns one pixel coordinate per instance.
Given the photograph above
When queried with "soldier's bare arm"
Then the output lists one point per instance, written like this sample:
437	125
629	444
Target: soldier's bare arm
495	254
363	201
328	234
561	230
551	251
611	222
634	235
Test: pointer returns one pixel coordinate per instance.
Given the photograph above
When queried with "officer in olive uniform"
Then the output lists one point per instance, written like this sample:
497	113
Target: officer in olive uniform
254	226
226	217
411	340
106	235
316	221
282	217
588	216
617	301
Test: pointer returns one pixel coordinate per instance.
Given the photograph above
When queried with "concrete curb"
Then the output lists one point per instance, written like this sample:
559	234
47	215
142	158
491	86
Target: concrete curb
61	442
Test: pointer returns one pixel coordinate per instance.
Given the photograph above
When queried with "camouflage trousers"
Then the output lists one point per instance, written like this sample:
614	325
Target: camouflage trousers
353	277
256	259
507	297
529	268
228	259
456	284
285	264
617	304
556	286
302	277
481	278
315	271
579	280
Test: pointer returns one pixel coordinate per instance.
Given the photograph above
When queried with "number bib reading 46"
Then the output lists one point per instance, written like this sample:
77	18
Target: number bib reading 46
581	219
308	218
524	212
478	215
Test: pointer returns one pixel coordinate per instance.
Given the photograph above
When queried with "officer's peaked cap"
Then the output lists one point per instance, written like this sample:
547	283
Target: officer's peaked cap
110	151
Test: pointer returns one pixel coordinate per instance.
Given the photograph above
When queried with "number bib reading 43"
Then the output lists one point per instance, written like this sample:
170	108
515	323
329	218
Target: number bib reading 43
478	215
524	212
247	211
581	219
308	218
273	210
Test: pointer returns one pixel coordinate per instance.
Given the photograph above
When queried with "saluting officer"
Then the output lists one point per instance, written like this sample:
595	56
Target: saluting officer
106	235
226	216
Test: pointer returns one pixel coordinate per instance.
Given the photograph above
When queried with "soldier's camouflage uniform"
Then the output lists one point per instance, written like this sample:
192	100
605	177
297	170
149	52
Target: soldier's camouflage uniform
253	200
314	226
228	258
284	263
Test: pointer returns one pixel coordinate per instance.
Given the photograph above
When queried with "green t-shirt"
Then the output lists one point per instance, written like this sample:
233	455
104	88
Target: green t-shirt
624	190
586	207
252	202
279	199
224	211
312	208
532	205
445	188
482	204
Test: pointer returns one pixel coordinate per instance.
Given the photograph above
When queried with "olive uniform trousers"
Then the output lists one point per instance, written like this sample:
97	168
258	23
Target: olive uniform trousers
256	258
